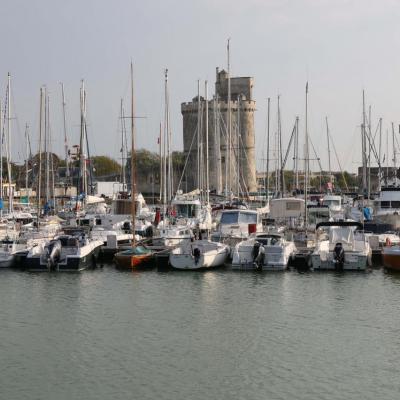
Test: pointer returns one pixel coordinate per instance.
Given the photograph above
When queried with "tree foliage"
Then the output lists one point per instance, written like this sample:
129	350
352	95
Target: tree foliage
103	166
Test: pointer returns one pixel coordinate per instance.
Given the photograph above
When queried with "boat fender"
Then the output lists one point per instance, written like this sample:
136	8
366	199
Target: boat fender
388	242
196	254
338	256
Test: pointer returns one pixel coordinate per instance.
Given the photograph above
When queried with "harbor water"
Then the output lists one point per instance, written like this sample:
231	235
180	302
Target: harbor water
105	334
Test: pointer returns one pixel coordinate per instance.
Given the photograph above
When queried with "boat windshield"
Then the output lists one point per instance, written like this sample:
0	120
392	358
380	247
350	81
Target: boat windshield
236	217
343	234
187	210
332	202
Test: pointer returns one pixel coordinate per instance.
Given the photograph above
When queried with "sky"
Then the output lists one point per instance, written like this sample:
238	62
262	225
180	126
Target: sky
340	47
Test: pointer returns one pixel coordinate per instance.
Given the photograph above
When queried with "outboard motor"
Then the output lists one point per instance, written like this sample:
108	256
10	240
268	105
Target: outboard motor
126	227
338	256
259	258
149	231
256	250
196	254
53	254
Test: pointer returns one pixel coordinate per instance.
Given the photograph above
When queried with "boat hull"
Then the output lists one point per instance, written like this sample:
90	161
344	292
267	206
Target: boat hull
188	262
71	263
208	257
133	261
353	262
391	258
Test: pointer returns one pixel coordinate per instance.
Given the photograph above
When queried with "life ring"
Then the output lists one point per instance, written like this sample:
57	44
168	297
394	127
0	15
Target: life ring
388	242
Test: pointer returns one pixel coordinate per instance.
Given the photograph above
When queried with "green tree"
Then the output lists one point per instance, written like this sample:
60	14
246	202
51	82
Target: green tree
103	166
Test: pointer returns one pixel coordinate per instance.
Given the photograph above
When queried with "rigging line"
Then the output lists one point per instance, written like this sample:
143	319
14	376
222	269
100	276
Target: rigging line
338	161
289	147
19	136
372	145
187	158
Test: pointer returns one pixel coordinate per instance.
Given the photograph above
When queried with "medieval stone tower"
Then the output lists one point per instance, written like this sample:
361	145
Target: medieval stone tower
240	175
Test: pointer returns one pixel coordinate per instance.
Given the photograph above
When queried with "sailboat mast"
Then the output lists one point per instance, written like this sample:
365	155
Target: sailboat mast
229	124
306	163
123	159
329	149
238	149
363	142
169	138
387	156
394	155
380	153
160	142
47	139
82	143
10	191
133	177
27	159
1	160
296	157
278	155
217	144
207	163
268	119
166	142
67	174
198	135
40	157
369	152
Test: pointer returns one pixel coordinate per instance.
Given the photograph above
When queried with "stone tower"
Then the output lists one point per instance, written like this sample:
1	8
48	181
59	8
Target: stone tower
242	137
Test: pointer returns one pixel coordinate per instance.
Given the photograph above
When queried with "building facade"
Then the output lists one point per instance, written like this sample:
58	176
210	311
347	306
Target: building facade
231	167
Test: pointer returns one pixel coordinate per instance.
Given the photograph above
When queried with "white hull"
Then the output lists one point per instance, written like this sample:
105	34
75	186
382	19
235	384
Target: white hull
212	255
7	261
353	262
277	254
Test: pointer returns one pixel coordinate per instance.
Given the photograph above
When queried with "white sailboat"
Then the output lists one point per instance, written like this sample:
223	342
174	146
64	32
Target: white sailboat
201	254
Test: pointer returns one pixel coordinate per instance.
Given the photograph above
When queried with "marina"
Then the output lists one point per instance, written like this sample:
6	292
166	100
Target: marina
199	200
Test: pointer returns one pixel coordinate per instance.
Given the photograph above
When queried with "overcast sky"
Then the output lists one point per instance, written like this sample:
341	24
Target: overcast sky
341	47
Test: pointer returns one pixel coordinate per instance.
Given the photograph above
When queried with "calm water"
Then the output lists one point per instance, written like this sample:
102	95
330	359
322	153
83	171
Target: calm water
105	334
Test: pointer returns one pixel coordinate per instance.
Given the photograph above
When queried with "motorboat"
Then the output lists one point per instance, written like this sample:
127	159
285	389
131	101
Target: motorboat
200	254
336	208
341	245
67	252
172	235
263	251
233	226
391	257
9	251
387	207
